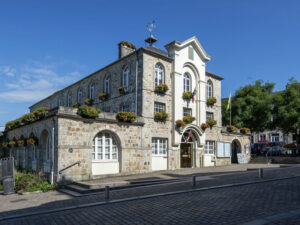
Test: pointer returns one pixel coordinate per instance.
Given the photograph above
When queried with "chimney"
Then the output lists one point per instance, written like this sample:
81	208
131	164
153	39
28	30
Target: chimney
125	48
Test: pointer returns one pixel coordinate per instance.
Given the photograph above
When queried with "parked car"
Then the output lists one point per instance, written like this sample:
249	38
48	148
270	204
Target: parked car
267	150
258	148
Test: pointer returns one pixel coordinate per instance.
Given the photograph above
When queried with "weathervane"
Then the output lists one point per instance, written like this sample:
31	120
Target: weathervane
151	39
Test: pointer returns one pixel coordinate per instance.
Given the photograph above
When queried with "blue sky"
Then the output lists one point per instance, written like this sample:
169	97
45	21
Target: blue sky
46	45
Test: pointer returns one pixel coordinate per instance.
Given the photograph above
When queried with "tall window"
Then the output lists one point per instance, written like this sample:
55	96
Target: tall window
92	91
209	89
186	82
187	111
48	148
60	102
125	80
262	137
209	147
209	116
79	97
159	74
159	146
69	100
275	137
107	85
105	148
159	107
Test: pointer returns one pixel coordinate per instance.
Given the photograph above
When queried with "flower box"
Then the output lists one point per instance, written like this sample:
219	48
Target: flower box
126	116
244	130
188	119
122	89
20	142
89	102
41	112
180	123
161	88
31	141
231	128
161	116
103	96
88	111
28	118
204	126
12	144
211	123
187	95
211	101
76	105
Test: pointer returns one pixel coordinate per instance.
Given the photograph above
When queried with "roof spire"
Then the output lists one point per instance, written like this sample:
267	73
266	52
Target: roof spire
151	39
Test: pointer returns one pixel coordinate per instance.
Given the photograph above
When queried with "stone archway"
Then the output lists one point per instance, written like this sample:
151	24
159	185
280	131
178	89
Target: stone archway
236	148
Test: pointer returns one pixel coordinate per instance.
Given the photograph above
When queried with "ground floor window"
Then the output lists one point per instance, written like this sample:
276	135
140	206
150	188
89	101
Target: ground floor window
159	146
105	148
275	137
262	137
209	147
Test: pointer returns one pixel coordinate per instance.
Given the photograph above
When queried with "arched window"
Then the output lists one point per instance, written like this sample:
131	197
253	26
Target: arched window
107	85
69	100
209	89
186	82
159	74
105	148
79	96
48	148
125	80
92	91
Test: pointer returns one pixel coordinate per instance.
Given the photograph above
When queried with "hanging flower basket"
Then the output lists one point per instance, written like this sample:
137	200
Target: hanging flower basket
204	126
231	129
103	96
211	101
180	123
76	105
211	123
20	142
31	141
161	116
126	116
12	144
88	111
89	102
244	130
122	89
188	119
187	95
161	88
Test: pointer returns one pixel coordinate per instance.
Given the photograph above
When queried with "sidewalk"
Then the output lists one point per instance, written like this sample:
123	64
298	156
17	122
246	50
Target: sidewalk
207	177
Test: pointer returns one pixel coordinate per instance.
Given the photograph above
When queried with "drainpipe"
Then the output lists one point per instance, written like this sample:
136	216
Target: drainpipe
52	157
136	80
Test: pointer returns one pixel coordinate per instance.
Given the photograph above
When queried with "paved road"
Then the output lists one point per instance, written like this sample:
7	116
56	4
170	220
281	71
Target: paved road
234	205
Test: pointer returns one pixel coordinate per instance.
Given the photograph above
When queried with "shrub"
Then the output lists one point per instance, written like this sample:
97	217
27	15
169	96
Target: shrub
231	128
20	142
204	126
162	116
103	96
211	123
180	123
41	112
188	119
161	88
27	118
126	116
244	130
128	44
187	95
89	102
12	144
88	111
122	89
76	105
211	101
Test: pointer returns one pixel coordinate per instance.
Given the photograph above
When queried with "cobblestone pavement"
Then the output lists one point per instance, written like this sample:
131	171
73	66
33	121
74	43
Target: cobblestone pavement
232	205
55	200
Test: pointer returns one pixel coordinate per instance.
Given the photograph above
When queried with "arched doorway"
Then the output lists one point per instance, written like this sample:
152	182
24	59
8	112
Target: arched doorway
106	153
235	149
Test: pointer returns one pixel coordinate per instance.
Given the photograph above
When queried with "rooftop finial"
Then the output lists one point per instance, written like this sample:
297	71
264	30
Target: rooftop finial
151	39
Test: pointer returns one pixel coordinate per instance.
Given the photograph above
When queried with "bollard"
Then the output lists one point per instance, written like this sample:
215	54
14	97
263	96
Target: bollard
260	173
194	181
106	193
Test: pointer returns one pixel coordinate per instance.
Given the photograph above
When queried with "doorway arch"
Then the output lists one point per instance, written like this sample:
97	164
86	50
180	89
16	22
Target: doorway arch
236	148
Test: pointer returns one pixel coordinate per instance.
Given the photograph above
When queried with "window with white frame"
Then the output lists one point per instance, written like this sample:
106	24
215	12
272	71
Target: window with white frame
262	137
125	108
187	111
79	97
209	116
209	89
223	149
159	74
107	85
125	80
69	100
209	147
159	107
275	137
159	146
186	82
92	91
105	148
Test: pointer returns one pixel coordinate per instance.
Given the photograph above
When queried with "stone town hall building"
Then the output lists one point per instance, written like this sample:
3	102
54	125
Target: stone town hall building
107	146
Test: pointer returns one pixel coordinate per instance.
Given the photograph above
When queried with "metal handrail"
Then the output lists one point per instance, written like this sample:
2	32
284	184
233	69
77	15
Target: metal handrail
73	164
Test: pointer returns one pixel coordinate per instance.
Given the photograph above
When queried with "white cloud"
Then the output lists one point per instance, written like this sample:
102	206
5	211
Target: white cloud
24	96
8	71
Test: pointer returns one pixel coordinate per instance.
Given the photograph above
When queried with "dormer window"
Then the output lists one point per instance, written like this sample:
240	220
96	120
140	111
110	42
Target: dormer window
186	82
209	89
159	74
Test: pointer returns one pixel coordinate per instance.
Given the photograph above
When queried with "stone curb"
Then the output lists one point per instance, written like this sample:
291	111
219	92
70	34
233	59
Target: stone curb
143	197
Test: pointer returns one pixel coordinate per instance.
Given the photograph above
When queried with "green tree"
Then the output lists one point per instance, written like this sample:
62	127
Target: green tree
252	105
286	109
